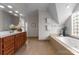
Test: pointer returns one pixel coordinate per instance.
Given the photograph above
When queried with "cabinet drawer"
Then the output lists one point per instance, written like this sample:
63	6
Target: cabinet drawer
9	46
7	41
8	52
9	49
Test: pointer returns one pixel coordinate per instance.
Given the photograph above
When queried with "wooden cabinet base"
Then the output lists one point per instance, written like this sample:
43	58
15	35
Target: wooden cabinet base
10	44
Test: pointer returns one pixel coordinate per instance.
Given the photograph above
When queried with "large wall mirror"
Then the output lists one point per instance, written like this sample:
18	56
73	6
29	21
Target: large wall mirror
6	19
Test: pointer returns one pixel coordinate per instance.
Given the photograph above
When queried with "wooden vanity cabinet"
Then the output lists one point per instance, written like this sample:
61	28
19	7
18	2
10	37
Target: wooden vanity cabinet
8	45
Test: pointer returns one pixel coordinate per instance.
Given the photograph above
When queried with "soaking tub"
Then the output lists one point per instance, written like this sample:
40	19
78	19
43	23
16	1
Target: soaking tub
72	44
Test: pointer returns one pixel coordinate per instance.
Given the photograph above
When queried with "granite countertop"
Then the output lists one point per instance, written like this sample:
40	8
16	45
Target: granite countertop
7	33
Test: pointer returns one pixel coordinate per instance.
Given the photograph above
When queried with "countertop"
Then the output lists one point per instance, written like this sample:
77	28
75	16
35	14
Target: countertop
7	33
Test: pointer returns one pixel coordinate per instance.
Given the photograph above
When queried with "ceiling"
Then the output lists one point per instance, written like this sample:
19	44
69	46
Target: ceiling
58	11
61	11
26	8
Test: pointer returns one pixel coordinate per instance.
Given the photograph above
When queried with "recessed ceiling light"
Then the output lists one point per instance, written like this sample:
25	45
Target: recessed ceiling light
21	14
10	11
16	11
1	6
67	6
15	14
9	6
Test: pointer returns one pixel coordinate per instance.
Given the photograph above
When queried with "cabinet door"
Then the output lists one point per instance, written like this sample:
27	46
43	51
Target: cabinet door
8	45
25	36
17	41
0	46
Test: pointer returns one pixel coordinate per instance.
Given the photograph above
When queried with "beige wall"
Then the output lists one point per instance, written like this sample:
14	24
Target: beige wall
33	24
53	27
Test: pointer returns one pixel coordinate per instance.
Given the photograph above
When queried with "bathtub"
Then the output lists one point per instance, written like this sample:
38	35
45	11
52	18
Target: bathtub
70	43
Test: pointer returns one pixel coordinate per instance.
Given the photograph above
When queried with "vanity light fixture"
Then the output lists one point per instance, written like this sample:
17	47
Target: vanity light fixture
9	6
16	12
21	14
1	6
67	6
10	11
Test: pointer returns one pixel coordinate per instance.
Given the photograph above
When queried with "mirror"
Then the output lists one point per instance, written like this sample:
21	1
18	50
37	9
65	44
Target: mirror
6	19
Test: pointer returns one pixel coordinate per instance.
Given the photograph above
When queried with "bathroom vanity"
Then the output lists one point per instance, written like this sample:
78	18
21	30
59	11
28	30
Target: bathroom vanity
10	43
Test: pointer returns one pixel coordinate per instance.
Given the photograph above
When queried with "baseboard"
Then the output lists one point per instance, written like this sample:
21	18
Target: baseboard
38	38
43	39
32	37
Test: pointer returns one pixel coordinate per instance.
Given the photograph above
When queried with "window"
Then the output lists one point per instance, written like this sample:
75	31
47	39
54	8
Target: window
75	24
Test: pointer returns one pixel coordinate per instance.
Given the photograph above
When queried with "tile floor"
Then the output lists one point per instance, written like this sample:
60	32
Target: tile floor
36	47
